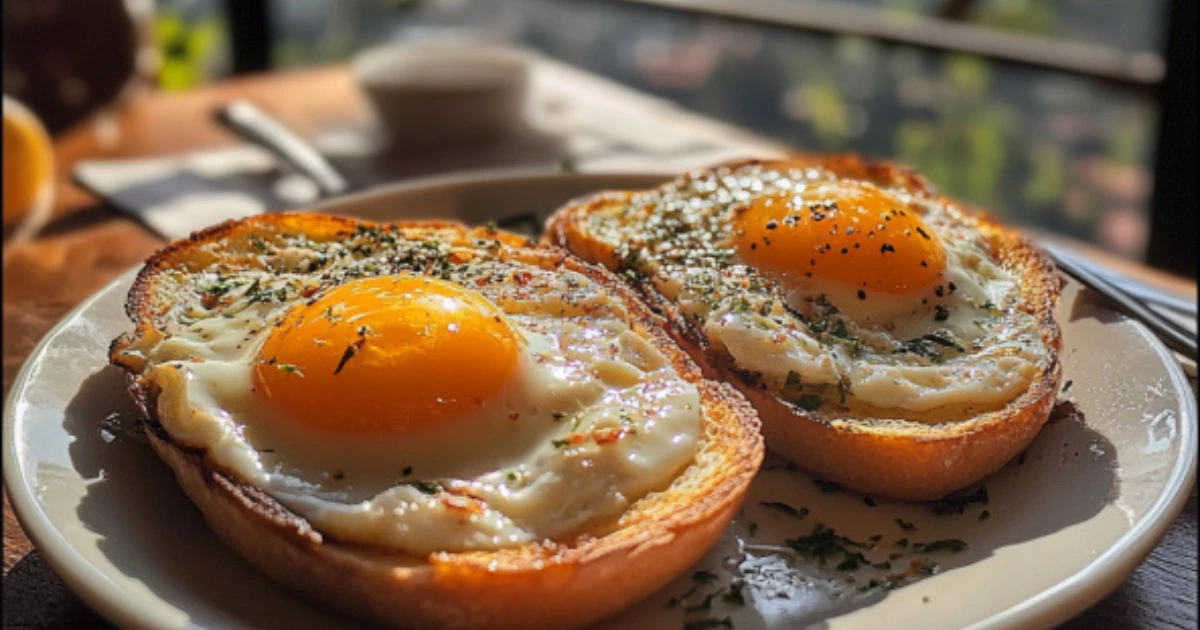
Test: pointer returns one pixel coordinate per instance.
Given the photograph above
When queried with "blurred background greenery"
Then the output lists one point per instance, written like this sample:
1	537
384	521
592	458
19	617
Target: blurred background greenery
1064	151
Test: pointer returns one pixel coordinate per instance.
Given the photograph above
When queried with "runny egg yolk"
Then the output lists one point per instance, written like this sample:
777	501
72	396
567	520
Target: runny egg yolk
847	233
387	354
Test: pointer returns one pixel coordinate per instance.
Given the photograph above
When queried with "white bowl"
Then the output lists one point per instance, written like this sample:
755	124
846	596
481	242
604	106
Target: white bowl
441	91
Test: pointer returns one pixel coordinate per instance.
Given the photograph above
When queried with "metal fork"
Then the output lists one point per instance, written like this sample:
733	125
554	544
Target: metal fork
1173	335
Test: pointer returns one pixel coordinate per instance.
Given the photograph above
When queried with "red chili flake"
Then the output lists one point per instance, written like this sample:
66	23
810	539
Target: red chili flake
462	504
608	435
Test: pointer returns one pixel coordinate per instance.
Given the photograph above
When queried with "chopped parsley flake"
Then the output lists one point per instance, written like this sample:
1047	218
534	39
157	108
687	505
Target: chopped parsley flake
289	368
734	596
779	506
948	545
827	486
809	402
427	487
704	577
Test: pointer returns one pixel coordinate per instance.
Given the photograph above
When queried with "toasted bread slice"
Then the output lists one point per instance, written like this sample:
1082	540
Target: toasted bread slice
551	584
891	455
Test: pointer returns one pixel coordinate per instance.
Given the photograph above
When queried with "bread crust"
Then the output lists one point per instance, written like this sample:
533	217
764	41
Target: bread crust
882	456
545	585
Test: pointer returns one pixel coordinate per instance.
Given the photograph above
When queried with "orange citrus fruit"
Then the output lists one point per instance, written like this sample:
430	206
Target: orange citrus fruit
28	162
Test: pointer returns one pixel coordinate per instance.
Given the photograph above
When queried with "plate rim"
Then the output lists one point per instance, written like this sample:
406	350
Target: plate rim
1066	599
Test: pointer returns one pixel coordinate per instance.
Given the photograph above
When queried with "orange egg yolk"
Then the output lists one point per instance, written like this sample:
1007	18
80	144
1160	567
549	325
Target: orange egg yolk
387	354
849	233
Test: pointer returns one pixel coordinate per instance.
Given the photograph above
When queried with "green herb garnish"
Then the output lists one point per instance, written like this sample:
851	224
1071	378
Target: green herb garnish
427	487
948	545
734	596
704	577
779	506
809	402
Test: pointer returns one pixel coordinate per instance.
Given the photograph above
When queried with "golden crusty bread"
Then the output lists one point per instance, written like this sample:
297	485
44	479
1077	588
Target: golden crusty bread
553	584
889	456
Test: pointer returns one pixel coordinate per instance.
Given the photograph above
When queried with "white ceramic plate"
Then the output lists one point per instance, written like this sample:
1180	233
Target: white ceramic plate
1065	525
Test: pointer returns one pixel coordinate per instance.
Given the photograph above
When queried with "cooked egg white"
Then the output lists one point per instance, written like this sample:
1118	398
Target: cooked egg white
833	292
502	405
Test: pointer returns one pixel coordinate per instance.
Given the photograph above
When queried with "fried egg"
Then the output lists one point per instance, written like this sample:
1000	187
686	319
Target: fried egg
425	394
832	292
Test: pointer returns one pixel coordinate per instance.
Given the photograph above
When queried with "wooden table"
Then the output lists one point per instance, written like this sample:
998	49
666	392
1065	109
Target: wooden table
86	245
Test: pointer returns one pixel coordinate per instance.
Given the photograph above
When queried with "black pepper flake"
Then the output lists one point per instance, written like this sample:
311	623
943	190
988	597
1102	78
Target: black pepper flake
983	516
923	234
951	287
407	471
862	295
941	313
844	250
753	246
886	247
1067	386
869	501
924	264
772	224
939	291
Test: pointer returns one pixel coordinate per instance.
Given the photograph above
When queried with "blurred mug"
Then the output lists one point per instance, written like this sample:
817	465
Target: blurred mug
444	91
